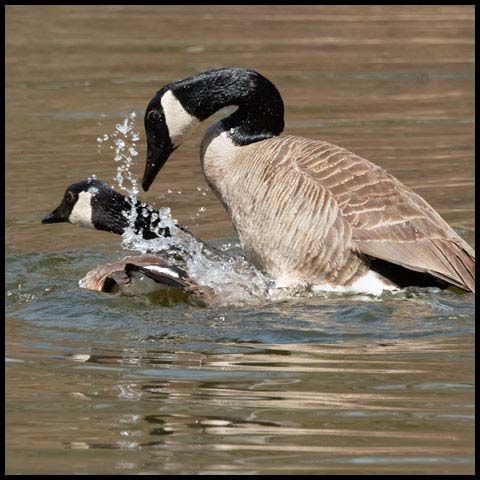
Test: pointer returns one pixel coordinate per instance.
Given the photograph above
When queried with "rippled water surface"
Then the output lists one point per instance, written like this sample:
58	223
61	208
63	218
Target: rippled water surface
99	383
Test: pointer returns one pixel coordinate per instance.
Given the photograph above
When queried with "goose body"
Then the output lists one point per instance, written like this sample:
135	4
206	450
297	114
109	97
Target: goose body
306	211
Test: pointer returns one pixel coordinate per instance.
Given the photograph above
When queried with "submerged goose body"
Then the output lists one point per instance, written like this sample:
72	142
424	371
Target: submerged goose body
147	274
304	210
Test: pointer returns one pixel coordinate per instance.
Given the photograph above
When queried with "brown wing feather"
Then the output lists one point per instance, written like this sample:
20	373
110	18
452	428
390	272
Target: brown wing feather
388	220
442	259
289	223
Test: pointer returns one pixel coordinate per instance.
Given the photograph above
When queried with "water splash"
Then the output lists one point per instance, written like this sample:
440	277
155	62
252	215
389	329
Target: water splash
19	296
230	276
124	138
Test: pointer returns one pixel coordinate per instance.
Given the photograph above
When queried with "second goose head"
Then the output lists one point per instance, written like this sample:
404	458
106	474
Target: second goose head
94	204
177	108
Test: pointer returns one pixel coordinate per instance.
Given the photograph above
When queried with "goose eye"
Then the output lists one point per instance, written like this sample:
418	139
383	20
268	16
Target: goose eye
70	197
153	116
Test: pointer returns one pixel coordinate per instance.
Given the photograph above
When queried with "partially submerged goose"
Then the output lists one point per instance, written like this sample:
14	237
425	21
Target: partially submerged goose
146	274
304	210
94	204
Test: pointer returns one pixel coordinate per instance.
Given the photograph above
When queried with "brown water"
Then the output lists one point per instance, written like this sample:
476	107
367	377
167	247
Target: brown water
99	384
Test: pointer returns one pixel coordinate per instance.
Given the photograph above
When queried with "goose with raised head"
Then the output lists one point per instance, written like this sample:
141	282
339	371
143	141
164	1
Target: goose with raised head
94	204
304	210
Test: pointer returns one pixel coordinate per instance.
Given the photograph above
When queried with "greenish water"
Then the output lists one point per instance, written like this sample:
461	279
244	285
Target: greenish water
336	383
39	287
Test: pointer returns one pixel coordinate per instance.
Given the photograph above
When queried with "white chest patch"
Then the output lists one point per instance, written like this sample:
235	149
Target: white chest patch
81	213
180	123
217	145
217	151
218	154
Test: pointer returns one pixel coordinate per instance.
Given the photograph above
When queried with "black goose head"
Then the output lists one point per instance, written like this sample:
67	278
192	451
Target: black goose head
179	106
94	204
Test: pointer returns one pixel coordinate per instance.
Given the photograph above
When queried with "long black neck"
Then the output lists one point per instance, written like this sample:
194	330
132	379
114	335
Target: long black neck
260	113
113	209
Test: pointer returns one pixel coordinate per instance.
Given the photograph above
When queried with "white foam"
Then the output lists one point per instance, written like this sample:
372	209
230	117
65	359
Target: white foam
288	281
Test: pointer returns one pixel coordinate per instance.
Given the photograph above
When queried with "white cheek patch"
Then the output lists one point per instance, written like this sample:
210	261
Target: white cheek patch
81	213
180	123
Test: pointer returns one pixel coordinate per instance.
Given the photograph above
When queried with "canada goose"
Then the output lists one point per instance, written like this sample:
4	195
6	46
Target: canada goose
93	204
304	210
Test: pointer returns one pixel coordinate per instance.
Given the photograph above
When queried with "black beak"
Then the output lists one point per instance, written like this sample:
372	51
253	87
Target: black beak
156	158
55	217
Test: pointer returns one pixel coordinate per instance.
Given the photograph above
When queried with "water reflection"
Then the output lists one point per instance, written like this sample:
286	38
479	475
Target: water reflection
379	403
261	410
